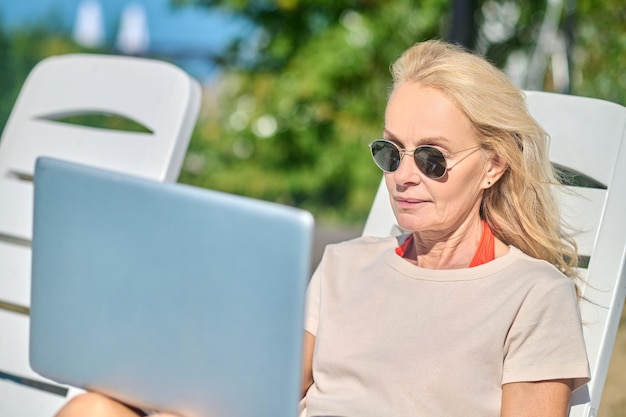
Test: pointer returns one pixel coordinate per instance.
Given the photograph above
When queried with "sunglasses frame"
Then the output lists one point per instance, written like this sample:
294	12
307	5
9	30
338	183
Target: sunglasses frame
402	152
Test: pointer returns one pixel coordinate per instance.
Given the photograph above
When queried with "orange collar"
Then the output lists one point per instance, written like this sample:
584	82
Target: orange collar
484	253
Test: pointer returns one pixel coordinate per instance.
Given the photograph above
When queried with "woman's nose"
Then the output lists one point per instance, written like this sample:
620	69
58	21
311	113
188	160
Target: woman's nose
407	172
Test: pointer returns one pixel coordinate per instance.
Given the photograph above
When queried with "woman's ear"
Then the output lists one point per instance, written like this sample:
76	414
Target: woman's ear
495	167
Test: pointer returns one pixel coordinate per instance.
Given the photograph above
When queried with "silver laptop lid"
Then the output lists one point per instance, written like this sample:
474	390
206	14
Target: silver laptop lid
167	296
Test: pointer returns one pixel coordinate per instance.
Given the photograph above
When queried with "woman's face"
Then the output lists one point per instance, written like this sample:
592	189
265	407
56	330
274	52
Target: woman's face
418	116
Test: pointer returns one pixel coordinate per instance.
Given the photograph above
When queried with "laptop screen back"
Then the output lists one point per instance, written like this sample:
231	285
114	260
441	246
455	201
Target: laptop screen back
167	296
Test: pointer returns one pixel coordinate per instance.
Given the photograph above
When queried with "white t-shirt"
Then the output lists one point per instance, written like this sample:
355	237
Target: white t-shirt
394	339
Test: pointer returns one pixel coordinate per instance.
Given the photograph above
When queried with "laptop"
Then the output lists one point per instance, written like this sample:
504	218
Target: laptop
167	296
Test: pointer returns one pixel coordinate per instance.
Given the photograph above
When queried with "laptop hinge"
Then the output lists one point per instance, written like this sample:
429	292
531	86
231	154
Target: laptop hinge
33	383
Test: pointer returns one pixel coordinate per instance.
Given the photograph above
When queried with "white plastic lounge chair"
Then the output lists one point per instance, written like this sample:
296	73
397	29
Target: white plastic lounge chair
159	97
587	137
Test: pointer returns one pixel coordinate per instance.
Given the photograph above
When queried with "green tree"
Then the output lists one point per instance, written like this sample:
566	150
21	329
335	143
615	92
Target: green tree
291	121
566	46
304	91
600	50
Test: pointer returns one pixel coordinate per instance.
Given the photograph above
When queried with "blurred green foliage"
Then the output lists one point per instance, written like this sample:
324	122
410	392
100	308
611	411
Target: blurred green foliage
600	53
304	91
291	122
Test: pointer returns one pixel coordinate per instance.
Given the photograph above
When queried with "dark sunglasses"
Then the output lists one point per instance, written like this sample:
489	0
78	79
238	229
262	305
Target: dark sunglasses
429	160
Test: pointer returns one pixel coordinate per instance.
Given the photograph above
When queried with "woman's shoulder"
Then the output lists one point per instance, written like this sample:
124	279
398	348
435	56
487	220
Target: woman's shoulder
537	271
518	257
360	249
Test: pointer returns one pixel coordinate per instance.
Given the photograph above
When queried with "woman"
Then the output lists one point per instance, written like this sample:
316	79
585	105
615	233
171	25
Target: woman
472	313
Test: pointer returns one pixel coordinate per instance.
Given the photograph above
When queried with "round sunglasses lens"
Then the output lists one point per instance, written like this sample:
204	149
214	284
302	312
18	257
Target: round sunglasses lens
430	161
386	156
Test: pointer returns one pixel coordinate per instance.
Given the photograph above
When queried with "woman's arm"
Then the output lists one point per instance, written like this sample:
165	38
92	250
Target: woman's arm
531	399
307	363
97	405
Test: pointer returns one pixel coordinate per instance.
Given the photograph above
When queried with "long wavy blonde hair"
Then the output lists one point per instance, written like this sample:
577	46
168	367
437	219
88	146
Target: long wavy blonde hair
521	208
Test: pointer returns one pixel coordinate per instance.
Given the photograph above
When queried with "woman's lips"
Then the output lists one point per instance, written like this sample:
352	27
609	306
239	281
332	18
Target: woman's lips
405	203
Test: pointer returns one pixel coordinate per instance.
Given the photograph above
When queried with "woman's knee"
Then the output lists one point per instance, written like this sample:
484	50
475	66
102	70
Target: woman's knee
91	404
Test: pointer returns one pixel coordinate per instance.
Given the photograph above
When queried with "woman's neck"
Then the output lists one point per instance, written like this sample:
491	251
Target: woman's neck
455	251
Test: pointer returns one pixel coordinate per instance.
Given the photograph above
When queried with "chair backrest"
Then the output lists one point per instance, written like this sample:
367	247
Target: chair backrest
158	96
587	138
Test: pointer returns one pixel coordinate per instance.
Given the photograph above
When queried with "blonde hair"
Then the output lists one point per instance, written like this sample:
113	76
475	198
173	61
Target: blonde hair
521	207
